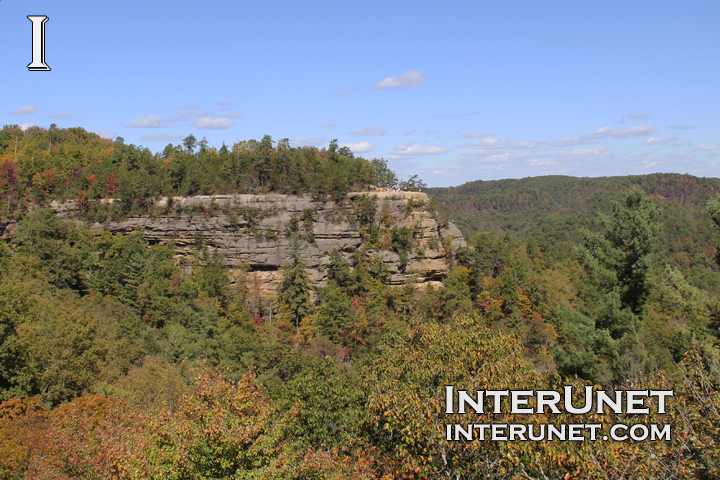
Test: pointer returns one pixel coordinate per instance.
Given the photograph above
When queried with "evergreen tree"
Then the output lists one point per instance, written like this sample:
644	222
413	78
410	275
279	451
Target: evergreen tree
620	258
714	209
190	142
295	285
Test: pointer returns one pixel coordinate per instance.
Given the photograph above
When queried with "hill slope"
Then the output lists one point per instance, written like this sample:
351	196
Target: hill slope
550	212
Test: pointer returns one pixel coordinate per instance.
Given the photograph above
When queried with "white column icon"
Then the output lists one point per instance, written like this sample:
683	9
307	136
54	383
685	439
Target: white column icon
38	43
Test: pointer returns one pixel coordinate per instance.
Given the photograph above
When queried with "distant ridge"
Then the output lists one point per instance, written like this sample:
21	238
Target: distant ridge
551	211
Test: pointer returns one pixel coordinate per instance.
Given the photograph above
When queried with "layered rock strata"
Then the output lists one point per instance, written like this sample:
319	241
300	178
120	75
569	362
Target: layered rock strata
256	230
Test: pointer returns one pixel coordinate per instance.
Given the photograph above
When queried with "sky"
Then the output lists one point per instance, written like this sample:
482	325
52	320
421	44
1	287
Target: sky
452	92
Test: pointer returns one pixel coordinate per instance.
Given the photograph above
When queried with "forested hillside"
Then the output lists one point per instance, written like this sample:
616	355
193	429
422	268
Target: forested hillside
38	165
551	212
118	360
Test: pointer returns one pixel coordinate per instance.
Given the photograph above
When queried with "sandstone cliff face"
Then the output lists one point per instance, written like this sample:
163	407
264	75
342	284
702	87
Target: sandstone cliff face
256	230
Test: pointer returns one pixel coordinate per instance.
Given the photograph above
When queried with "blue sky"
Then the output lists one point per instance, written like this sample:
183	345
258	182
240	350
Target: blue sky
451	91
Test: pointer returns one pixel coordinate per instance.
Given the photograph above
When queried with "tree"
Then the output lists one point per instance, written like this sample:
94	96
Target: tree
203	144
714	210
621	257
45	236
190	142
8	179
14	305
383	176
112	184
412	184
295	285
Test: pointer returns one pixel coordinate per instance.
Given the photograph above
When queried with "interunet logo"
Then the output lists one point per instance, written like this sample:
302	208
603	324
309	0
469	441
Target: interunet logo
633	402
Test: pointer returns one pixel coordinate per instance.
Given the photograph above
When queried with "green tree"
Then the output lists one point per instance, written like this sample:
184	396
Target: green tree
55	242
295	285
190	142
714	210
621	257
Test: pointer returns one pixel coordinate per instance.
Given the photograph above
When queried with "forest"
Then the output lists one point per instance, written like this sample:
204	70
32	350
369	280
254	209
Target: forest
117	363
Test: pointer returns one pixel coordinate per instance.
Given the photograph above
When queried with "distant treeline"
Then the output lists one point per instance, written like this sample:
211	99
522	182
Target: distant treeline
38	165
549	213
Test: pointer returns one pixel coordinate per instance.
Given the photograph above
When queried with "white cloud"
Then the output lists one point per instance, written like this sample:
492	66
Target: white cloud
360	147
657	141
412	78
370	131
489	142
476	153
409	132
315	141
407	149
506	157
543	163
328	125
213	123
482	155
24	110
347	92
61	115
583	152
706	148
525	145
605	132
232	115
639	131
476	61
192	106
682	127
682	143
112	135
27	125
430	130
153	121
161	137
566	142
226	104
475	134
601	132
634	116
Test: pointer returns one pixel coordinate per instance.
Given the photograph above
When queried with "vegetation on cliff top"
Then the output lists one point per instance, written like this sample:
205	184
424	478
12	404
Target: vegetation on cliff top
38	165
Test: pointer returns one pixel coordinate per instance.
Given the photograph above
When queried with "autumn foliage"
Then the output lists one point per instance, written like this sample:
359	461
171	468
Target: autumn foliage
120	359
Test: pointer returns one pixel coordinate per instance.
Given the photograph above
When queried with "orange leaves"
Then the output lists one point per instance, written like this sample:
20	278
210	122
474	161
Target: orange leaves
22	433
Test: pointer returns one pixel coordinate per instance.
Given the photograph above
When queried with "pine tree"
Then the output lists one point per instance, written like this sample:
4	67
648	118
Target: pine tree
295	285
620	258
714	210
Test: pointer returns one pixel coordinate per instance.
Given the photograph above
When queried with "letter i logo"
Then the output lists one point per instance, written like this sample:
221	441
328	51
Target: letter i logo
38	43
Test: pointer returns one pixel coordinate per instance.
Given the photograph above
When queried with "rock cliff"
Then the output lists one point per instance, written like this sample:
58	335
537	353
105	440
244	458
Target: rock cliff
397	227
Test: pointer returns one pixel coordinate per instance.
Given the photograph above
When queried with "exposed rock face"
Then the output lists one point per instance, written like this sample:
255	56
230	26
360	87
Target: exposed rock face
256	230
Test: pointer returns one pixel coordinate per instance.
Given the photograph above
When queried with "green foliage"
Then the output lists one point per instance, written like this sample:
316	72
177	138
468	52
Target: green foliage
43	235
60	164
714	210
621	257
14	311
295	286
551	212
352	384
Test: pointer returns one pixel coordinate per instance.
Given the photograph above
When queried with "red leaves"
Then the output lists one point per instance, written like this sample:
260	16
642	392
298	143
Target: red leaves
112	184
8	173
